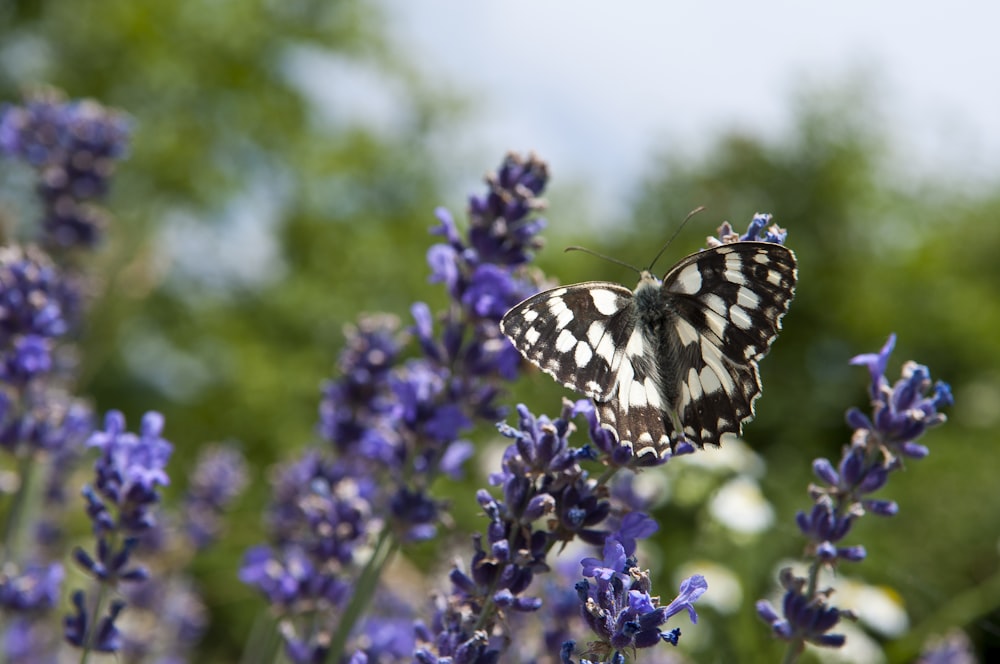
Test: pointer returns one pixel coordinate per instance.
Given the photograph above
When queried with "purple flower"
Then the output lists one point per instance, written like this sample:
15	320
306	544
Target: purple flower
418	389
634	526
130	468
902	413
74	147
30	356
502	235
105	638
289	578
34	589
757	231
803	618
220	475
27	641
613	562
618	606
33	296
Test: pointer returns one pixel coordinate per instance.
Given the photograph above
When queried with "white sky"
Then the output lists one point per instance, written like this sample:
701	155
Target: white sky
596	87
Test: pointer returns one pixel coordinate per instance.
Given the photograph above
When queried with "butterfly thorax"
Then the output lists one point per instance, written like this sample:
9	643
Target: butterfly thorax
656	318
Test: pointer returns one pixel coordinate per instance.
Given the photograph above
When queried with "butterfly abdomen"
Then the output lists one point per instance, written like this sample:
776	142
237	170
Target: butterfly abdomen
654	317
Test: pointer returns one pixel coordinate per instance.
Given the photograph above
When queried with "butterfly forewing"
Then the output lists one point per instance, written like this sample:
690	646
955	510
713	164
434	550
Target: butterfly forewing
576	334
670	358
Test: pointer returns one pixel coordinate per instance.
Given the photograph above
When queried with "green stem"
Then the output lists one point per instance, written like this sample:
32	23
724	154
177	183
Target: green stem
364	592
606	475
795	649
263	641
11	528
88	639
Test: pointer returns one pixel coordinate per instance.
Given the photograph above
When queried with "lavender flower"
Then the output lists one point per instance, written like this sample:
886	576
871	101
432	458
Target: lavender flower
74	147
129	470
33	313
174	620
481	275
540	477
322	517
617	605
34	589
901	413
394	426
218	478
757	231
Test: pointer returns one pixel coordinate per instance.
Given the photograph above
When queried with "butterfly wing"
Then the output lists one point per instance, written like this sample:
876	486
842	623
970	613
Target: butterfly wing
636	408
577	334
729	302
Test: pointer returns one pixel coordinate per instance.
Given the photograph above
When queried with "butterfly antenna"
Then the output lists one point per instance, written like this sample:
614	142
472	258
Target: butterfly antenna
674	236
607	258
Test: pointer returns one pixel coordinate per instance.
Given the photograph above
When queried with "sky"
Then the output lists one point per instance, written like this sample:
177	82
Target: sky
598	88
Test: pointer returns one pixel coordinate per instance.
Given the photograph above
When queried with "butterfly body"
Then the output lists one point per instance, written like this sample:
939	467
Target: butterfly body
673	358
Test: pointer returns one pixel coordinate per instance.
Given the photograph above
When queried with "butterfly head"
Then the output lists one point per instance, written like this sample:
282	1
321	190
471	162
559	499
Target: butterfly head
648	280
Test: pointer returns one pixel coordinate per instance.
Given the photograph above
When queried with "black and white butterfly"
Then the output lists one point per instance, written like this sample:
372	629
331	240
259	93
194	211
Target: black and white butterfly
672	359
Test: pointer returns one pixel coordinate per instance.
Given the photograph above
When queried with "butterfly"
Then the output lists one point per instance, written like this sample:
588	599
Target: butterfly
673	359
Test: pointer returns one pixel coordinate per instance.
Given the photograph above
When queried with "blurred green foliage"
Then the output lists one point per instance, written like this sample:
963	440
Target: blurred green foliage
253	221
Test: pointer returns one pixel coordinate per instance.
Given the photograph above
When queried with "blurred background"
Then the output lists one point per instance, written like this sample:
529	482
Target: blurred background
287	157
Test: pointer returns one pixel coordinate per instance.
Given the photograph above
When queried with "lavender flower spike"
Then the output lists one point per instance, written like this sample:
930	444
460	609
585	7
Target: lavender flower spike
902	412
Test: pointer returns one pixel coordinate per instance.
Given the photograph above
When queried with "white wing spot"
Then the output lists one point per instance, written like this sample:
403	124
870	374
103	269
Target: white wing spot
636	345
733	262
686	332
583	355
637	395
652	392
716	322
735	277
774	277
557	306
605	301
747	298
532	336
740	317
694	385
712	357
601	342
761	257
530	315
564	318
709	380
689	280
625	377
715	303
565	341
